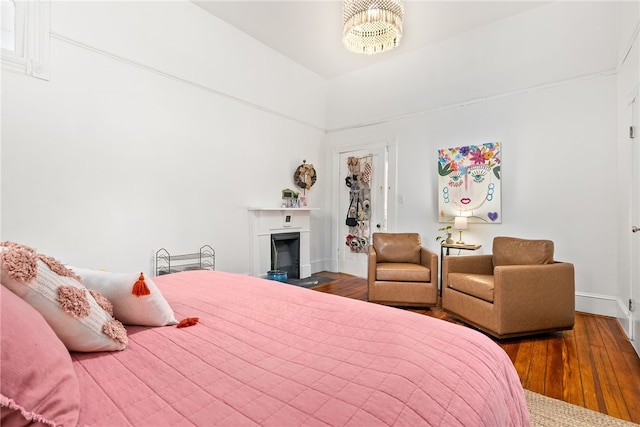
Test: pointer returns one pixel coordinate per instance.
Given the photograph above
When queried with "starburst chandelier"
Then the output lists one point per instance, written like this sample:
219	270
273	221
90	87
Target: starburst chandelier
371	26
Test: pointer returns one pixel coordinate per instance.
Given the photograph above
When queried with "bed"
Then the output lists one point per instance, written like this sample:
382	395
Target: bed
264	353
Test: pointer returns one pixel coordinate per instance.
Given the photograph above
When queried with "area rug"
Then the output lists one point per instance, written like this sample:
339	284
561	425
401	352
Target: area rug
310	282
547	412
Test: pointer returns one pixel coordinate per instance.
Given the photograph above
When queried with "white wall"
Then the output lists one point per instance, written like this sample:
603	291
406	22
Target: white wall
159	127
544	84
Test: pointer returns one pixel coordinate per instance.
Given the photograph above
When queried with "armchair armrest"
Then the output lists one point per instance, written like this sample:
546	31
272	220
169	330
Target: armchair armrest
517	281
429	259
475	264
371	269
545	292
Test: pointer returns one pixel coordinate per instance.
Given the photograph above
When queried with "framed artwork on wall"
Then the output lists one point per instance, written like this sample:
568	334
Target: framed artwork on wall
469	183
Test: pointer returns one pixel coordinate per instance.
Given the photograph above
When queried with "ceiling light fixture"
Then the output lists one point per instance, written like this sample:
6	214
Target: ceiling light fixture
371	26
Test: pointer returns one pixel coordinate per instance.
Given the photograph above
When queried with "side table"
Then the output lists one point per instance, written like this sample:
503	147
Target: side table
448	246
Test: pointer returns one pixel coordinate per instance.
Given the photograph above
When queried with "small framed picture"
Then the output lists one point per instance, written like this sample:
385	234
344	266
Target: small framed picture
303	202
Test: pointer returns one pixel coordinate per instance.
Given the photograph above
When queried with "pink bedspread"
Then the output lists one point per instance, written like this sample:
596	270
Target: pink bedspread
267	353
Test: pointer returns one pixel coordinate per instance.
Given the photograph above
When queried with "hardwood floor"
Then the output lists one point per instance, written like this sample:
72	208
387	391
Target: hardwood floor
593	365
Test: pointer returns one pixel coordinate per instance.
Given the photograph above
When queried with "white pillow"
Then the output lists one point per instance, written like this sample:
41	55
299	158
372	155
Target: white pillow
80	318
145	310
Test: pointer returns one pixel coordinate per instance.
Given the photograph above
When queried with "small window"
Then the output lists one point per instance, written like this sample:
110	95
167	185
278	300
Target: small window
26	36
8	14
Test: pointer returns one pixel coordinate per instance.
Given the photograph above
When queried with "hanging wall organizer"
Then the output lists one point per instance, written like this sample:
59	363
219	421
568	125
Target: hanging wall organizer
358	219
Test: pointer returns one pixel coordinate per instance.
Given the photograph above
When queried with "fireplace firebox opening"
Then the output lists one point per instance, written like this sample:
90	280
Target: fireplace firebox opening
287	246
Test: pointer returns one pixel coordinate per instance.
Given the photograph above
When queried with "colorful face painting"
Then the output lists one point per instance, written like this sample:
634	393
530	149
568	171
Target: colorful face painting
469	183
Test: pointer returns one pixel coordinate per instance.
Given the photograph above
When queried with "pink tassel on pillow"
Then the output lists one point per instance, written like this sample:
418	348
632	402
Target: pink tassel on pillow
140	288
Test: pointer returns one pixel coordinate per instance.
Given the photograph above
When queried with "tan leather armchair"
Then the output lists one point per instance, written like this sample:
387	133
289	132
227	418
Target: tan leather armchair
401	272
518	290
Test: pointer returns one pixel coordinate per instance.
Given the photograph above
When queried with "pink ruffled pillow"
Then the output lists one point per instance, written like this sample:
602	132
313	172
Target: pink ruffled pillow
38	383
81	318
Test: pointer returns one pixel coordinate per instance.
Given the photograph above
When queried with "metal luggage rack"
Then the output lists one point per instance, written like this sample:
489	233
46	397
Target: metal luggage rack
166	263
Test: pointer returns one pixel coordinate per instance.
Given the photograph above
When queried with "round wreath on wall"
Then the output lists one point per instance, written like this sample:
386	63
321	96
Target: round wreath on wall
305	175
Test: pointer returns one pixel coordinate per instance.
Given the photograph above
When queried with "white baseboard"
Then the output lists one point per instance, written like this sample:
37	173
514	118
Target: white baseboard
604	305
321	265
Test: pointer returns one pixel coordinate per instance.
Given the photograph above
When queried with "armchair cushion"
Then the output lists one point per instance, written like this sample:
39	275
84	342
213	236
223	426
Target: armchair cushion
397	247
402	272
477	285
514	251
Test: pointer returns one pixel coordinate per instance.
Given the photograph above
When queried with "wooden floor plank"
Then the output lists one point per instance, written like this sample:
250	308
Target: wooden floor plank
631	387
538	369
609	337
554	379
522	361
627	378
511	348
586	365
618	334
593	365
572	377
609	387
592	331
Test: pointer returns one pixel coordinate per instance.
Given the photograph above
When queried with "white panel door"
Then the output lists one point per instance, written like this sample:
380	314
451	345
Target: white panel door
369	210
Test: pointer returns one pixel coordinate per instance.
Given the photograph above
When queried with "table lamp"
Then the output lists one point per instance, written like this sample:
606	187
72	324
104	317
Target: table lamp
460	223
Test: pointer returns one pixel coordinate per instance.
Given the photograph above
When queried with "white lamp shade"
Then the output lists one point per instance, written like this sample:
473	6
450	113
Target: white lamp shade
460	223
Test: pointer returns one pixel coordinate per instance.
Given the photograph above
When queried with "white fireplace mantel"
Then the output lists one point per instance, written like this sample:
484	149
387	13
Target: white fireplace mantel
267	221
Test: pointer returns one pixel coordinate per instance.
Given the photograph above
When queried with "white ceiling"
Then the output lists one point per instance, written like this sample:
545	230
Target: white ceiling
309	32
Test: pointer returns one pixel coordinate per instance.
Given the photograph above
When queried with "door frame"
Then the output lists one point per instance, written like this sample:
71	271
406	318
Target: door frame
634	245
337	242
